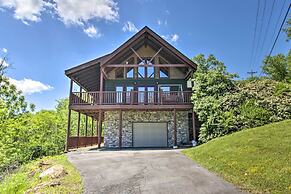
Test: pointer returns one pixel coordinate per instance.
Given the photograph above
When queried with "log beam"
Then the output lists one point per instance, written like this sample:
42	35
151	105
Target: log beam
146	65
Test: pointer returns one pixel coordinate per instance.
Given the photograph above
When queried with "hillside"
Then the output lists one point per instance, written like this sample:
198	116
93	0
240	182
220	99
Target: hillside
257	159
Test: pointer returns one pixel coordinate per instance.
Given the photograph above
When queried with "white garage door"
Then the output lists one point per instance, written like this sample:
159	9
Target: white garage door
150	135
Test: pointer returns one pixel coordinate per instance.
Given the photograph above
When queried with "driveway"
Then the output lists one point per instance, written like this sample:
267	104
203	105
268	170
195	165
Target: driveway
145	171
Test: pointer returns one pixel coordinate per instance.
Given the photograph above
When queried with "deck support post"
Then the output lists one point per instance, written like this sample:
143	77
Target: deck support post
78	128
69	118
86	126
120	129
79	118
175	128
193	126
99	128
92	127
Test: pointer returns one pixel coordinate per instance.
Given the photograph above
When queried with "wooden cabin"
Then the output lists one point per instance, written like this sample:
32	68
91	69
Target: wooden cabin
139	96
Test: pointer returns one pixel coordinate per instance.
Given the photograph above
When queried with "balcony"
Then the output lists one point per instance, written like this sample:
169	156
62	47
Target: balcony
130	100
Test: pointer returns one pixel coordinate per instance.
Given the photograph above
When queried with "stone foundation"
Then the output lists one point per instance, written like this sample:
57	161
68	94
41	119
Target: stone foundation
111	126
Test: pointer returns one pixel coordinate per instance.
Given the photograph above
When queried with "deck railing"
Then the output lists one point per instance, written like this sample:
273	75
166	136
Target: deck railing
131	97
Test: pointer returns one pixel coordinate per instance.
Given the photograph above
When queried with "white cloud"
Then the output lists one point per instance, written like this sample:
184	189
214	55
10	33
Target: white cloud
171	38
129	26
80	12
174	37
159	22
70	12
25	10
92	32
4	63
4	50
29	86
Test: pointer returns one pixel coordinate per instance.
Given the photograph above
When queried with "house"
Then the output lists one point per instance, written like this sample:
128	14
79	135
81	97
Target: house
139	95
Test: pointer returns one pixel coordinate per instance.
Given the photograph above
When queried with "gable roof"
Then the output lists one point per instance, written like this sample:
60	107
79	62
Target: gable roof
87	74
160	40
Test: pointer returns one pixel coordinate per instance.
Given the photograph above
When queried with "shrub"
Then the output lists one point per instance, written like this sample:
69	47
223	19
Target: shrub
224	105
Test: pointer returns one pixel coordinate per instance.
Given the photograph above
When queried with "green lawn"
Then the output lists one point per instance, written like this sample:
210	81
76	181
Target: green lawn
257	159
27	177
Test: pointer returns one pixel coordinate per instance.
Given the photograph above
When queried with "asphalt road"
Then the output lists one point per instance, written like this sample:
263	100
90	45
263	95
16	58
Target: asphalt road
145	171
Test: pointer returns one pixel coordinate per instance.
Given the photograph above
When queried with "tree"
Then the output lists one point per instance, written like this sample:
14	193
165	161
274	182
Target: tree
211	83
11	99
278	67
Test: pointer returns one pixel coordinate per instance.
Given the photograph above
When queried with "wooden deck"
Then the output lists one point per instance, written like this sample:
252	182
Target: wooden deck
130	100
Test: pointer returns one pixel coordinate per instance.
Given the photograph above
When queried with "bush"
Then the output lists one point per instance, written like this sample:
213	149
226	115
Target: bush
224	105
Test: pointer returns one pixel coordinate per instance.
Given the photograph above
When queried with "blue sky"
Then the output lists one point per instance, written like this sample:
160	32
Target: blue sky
42	38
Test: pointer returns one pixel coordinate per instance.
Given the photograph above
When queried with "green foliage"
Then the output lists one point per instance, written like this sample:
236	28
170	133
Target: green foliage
27	177
211	83
256	159
278	67
224	105
30	136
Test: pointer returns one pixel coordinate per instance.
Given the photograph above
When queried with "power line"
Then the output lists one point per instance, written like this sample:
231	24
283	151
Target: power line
281	11
268	25
255	33
261	29
280	30
282	24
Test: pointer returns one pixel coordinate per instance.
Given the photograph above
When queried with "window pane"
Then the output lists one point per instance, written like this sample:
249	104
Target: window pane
119	95
129	73
129	94
164	72
151	72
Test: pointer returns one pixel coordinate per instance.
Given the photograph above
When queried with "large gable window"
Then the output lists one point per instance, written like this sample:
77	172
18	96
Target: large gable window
146	72
141	69
164	72
130	70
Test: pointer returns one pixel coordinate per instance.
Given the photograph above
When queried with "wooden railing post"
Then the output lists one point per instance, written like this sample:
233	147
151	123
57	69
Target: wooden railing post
101	87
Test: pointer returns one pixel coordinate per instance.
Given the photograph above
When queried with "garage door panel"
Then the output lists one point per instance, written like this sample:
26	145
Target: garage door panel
150	134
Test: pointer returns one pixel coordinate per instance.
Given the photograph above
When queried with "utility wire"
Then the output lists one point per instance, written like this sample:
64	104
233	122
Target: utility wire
282	24
280	30
268	25
261	29
255	35
281	11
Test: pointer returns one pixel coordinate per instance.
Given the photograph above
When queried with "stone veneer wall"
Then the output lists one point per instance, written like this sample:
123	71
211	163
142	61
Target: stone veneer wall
111	126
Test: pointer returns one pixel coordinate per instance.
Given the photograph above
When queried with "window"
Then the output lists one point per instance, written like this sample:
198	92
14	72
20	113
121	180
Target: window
119	94
129	72
164	72
146	72
141	70
129	94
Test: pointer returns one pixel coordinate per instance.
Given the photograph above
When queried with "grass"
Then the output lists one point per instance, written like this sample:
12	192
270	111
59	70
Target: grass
257	160
27	177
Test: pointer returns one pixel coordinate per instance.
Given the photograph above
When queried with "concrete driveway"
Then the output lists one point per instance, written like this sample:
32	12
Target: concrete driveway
145	171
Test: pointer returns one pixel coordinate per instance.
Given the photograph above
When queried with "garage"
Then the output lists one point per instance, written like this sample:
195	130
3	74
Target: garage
150	135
